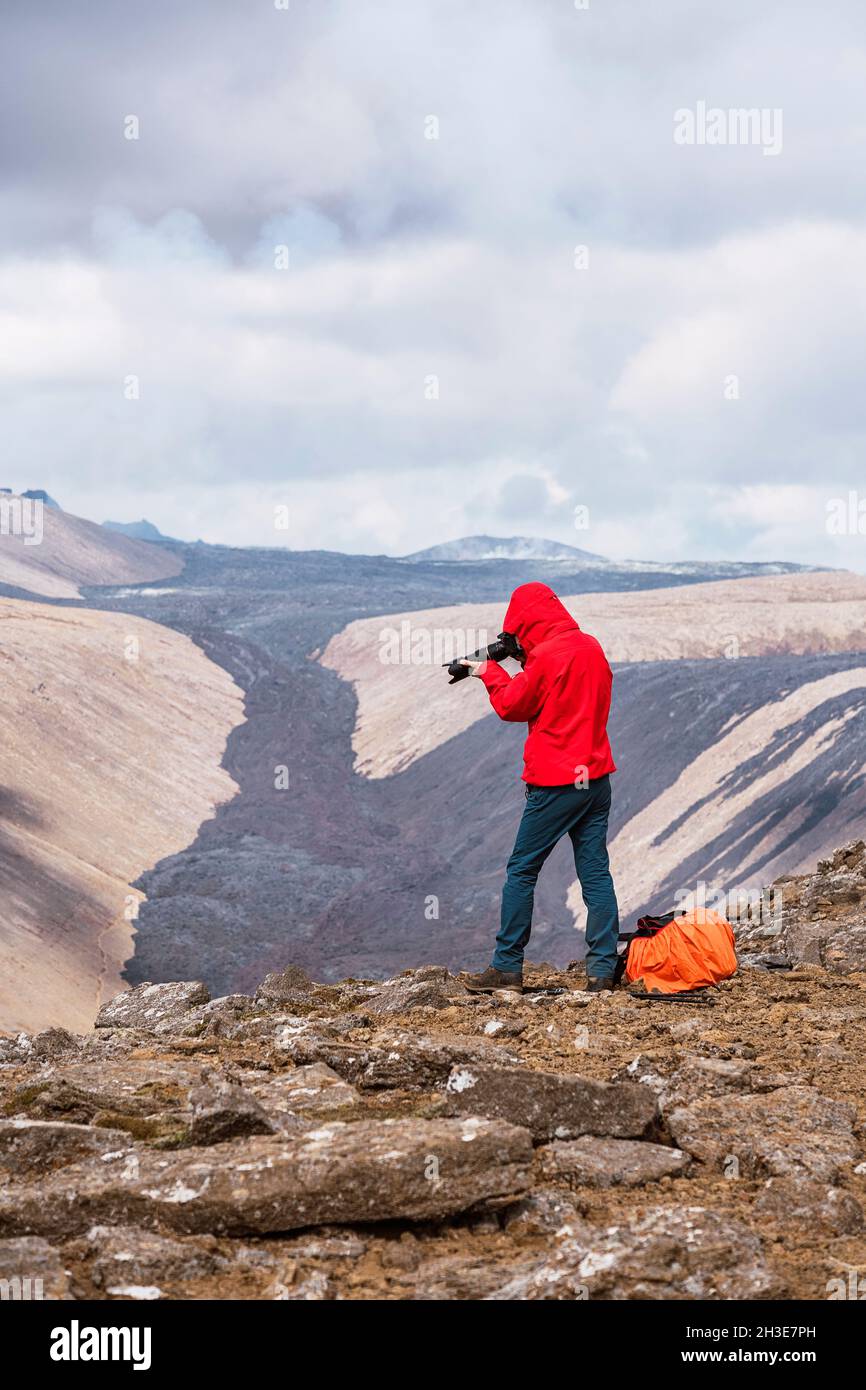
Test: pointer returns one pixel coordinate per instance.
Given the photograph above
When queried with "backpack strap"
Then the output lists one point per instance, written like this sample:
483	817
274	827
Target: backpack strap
649	926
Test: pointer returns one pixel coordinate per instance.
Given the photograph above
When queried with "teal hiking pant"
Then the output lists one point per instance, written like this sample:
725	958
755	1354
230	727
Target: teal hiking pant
549	813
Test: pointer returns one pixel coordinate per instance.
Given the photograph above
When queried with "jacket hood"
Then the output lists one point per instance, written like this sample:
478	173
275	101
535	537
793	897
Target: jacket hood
535	614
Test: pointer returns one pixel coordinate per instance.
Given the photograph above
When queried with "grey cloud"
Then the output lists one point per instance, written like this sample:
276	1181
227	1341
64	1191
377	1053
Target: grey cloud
413	258
550	117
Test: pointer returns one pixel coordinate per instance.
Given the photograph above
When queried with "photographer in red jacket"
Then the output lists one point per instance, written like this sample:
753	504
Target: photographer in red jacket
563	692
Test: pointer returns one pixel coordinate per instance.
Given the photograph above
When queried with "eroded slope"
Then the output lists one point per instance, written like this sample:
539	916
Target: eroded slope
113	733
73	552
401	712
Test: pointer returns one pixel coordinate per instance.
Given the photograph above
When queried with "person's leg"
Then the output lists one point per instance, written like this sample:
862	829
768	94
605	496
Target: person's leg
589	839
547	814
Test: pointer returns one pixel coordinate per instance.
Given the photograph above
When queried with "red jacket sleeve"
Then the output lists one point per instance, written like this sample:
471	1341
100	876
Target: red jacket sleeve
515	698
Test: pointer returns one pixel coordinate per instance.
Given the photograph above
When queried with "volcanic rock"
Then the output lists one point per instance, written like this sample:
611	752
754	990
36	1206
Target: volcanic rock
367	1171
594	1162
543	1211
132	1087
223	1110
790	1132
666	1253
129	1255
28	1147
429	987
315	1088
804	1207
287	986
31	1268
398	1060
152	1008
551	1105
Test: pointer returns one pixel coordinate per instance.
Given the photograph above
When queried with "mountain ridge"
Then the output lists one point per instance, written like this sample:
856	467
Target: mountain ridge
65	552
142	530
493	550
473	548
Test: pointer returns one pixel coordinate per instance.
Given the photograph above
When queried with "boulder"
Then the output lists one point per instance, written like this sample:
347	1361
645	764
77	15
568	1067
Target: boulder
152	1008
343	1024
288	986
400	1061
418	1063
821	921
223	1110
28	1147
692	1077
111	1044
31	1268
801	1207
551	1105
542	1211
697	1077
665	1253
54	1043
17	1049
430	987
316	1088
279	1029
217	1018
374	1170
793	1131
593	1162
83	1091
124	1256
845	949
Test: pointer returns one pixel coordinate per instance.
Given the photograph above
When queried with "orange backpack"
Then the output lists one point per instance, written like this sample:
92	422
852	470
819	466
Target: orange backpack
677	952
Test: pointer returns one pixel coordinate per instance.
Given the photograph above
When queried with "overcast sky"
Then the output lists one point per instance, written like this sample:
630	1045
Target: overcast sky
438	358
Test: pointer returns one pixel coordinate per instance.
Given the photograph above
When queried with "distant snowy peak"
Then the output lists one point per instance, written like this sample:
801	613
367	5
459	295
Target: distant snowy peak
475	548
547	556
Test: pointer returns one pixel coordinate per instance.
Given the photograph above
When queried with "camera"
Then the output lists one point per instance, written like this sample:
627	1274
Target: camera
505	645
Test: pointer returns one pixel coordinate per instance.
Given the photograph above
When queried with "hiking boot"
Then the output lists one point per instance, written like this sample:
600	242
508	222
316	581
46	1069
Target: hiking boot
598	983
490	980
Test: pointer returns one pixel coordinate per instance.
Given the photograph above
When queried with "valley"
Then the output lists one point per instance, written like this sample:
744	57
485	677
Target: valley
364	810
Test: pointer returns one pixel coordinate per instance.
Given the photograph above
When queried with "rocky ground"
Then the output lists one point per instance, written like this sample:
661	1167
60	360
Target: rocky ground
812	919
408	1140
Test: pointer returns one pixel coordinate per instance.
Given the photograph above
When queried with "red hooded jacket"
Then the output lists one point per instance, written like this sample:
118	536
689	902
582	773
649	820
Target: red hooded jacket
563	691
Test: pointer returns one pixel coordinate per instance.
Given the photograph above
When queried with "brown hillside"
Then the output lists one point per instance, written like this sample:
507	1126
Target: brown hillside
110	760
401	710
74	552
